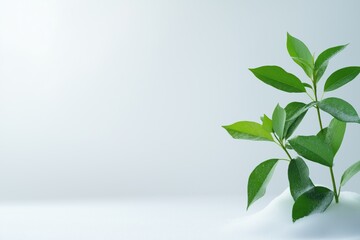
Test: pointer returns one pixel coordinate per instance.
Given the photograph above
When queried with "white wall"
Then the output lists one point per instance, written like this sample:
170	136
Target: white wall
119	98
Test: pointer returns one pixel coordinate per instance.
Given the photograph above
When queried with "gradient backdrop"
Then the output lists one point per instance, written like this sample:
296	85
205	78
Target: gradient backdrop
105	99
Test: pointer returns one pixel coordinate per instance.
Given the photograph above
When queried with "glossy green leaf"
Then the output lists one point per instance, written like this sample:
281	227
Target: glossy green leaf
322	61
278	121
302	62
277	77
300	111
350	172
300	54
335	134
322	134
340	78
267	123
248	130
339	109
259	179
299	180
292	123
314	149
316	200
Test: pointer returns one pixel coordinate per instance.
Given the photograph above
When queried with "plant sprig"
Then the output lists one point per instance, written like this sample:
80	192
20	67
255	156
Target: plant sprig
320	148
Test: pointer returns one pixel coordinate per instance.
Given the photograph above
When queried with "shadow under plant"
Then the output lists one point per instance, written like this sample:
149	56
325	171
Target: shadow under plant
320	148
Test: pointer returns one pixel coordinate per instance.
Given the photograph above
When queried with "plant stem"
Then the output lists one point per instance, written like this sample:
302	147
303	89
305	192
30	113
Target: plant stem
283	147
317	107
319	117
286	151
321	128
334	185
310	96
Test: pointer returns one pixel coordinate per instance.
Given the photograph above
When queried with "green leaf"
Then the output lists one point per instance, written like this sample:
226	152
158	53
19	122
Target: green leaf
300	111
303	62
259	179
322	134
248	130
267	123
278	121
314	149
335	134
350	172
292	123
300	54
277	77
299	180
340	78
339	109
307	85
316	200
322	61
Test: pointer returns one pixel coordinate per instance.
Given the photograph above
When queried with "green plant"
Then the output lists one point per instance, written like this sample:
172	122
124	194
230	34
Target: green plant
320	148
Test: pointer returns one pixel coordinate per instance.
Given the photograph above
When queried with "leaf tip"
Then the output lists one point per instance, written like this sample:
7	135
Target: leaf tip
248	204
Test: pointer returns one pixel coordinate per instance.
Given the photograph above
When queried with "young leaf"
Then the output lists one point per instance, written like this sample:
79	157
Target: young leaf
300	54
340	78
277	77
303	62
314	149
292	123
350	172
267	123
339	109
278	121
316	200
259	179
248	130
322	61
299	180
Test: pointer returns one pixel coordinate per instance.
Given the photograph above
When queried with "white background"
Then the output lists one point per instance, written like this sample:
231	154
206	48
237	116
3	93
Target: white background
118	99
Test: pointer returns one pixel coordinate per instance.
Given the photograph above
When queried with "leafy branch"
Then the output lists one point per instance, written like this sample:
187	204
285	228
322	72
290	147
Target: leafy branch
320	148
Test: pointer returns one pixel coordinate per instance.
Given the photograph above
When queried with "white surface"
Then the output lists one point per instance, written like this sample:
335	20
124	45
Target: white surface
145	219
340	221
175	219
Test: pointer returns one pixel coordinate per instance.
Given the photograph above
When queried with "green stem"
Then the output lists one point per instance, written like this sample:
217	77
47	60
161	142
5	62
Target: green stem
334	185
317	107
310	96
283	147
286	151
319	117
321	128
